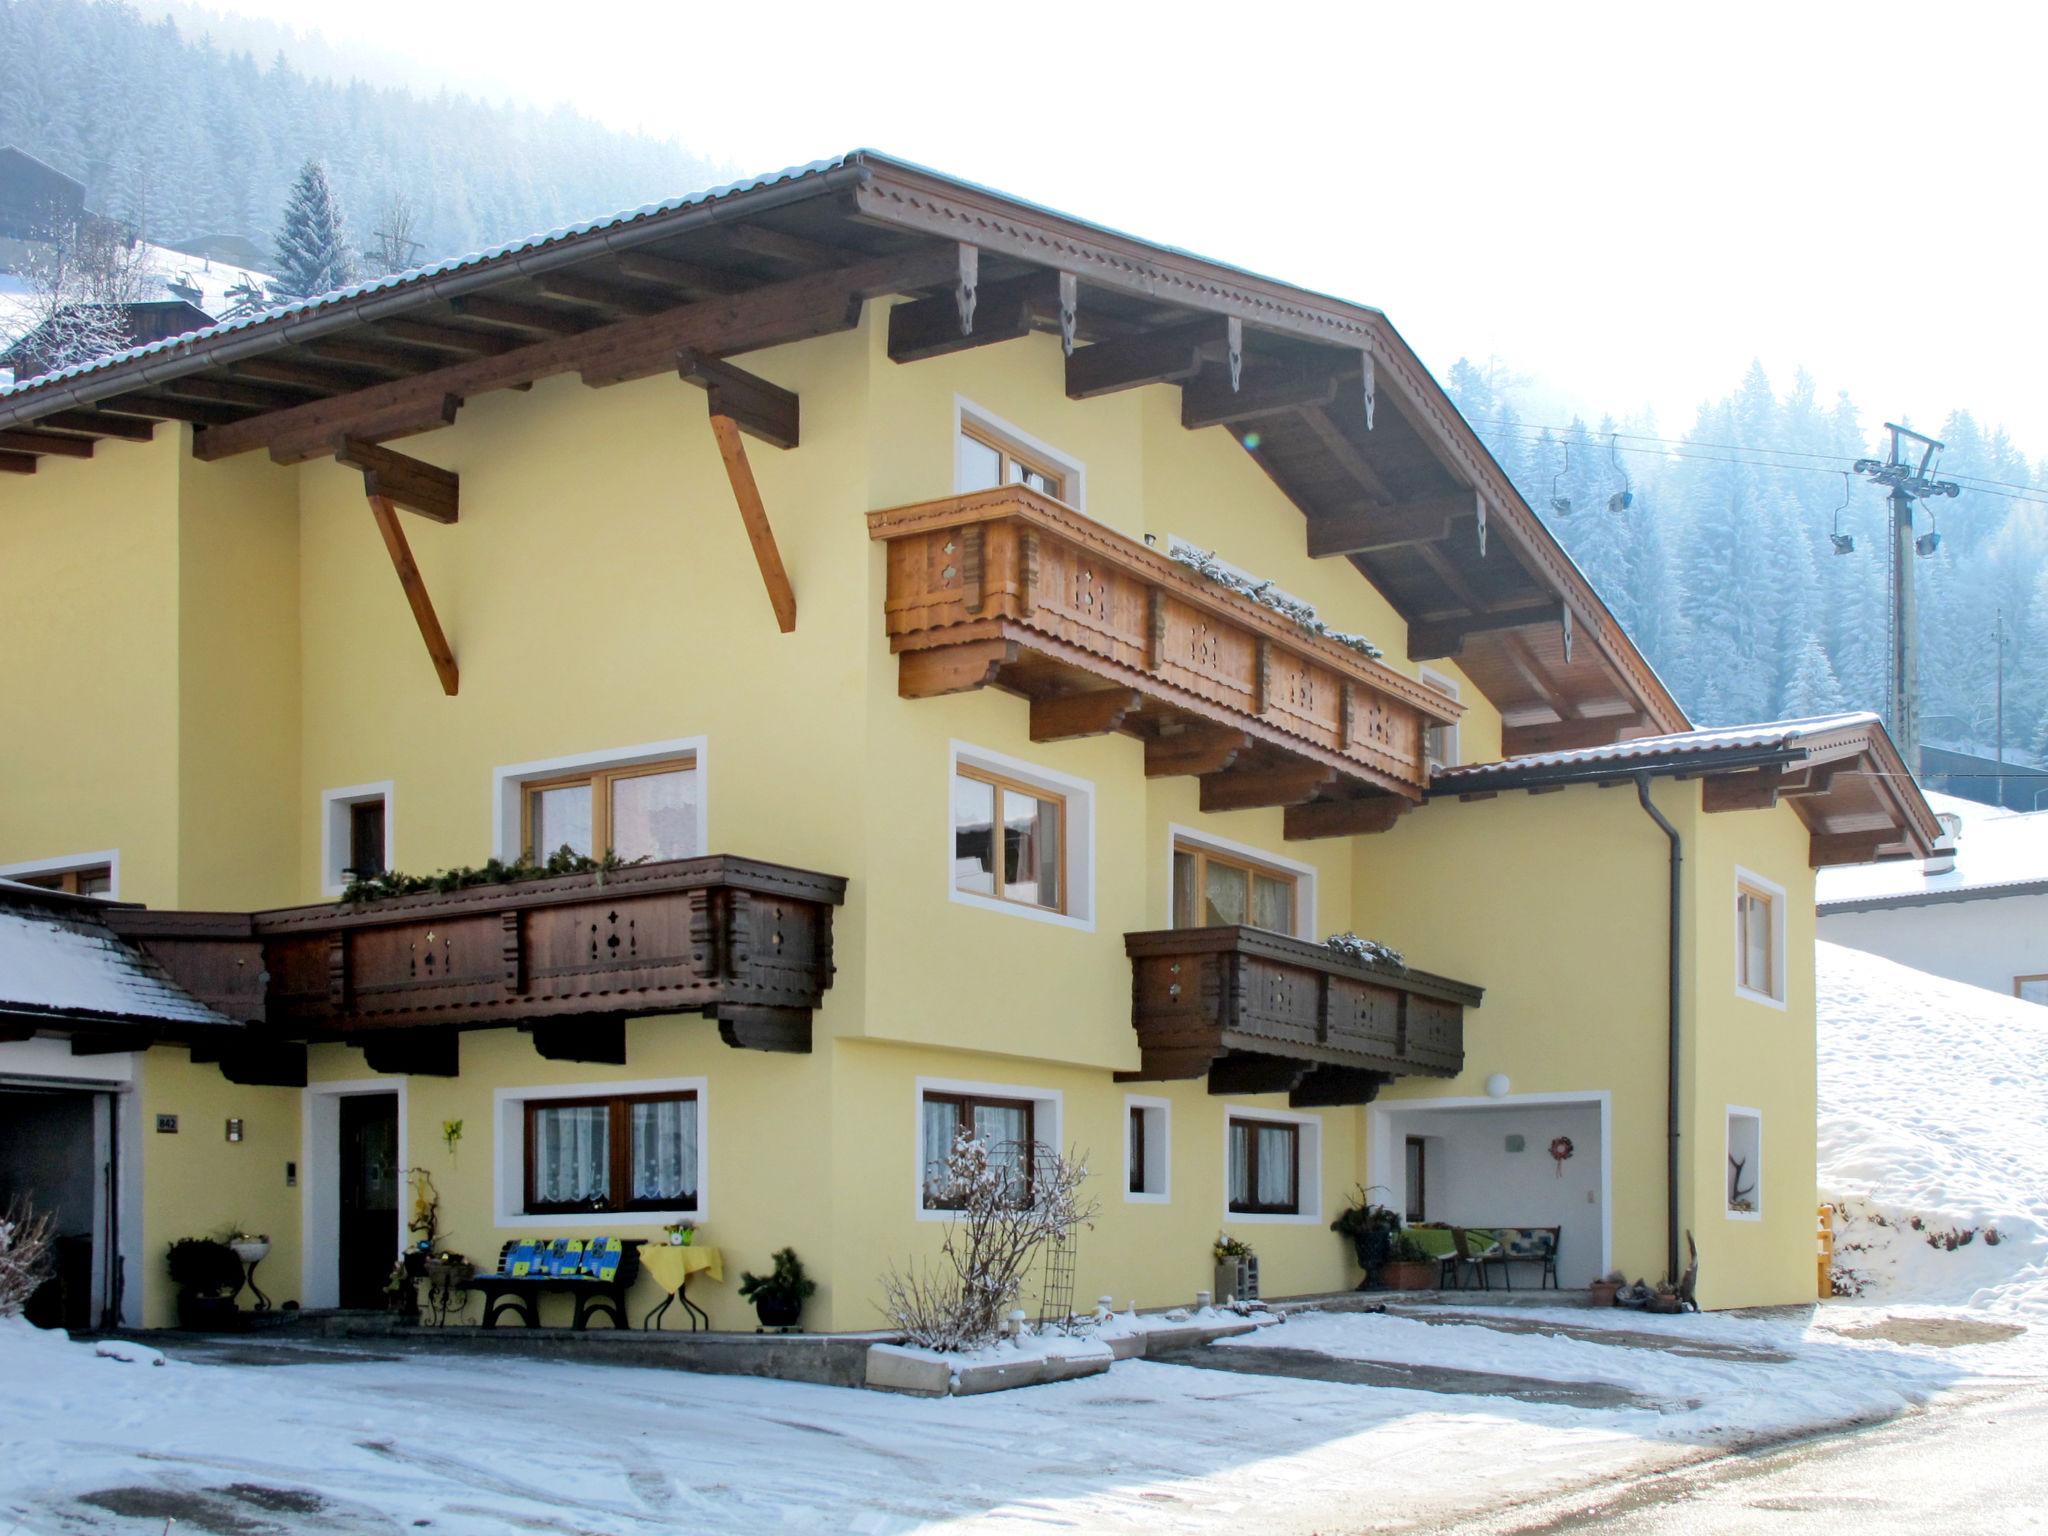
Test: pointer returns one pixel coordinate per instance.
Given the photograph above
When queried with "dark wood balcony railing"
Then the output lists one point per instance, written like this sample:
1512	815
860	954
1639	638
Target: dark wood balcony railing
1104	634
1259	1012
569	959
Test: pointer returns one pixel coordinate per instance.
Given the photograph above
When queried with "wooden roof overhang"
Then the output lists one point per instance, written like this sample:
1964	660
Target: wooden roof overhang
1326	395
1842	774
1010	588
567	959
1259	1012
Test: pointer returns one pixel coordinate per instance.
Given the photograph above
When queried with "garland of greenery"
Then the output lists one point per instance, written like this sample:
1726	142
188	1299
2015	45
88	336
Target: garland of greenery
563	861
1203	562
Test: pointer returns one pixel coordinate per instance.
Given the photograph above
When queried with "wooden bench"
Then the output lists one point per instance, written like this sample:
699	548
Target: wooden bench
596	1271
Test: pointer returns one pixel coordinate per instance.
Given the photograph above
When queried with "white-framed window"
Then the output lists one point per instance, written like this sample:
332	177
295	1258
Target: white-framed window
1005	1115
2030	989
988	452
1217	880
1020	838
586	1156
76	874
1439	742
1148	1150
1760	909
355	834
1745	1169
1273	1166
648	801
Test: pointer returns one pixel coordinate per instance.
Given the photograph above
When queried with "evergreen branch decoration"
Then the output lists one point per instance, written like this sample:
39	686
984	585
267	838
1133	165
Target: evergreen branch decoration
1302	616
563	861
1371	951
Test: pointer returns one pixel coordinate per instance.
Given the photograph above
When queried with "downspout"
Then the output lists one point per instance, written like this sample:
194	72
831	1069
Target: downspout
1671	957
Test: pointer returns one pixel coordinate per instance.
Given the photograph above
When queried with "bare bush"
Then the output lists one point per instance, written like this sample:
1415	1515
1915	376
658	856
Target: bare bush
82	275
1008	1201
25	1239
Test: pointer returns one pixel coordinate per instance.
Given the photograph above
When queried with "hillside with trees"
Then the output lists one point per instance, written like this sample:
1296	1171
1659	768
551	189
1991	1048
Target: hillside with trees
181	139
1723	566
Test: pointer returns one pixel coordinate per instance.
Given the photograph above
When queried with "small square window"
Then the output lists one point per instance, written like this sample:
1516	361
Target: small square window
644	811
1008	840
1007	1127
355	835
627	1153
1215	890
984	460
1265	1167
1147	1150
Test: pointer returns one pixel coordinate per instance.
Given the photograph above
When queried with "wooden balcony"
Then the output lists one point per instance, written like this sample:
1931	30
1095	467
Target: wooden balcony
1102	633
1259	1012
569	959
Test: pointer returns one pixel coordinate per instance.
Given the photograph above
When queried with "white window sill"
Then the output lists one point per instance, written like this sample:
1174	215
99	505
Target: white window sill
1268	1219
599	1221
1745	1215
1131	1199
1760	997
1019	909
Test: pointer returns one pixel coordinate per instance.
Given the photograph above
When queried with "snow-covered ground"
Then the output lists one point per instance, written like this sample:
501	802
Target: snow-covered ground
1933	1102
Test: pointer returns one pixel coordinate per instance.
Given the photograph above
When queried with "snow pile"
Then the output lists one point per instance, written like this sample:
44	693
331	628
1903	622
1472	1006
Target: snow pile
1933	1135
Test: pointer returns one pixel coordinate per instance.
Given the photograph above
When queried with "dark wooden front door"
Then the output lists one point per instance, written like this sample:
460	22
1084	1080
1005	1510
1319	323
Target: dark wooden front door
369	1196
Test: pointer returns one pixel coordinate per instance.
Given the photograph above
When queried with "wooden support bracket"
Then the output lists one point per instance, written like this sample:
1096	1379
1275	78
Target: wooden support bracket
1082	714
402	480
1250	789
755	516
1344	818
1754	791
763	410
1238	1073
386	514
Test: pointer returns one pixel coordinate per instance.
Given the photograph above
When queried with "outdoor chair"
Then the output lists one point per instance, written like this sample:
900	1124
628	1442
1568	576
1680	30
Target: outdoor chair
1477	1250
1529	1245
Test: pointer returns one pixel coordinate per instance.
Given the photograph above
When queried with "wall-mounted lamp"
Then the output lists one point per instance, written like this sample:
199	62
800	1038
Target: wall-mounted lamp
1497	1086
234	1130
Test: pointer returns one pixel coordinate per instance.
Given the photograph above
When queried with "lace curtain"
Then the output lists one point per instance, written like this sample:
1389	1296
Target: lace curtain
665	1152
1276	1145
572	1154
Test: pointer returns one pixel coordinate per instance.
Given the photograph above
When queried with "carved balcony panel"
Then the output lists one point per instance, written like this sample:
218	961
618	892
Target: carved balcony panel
1011	588
1239	1005
747	943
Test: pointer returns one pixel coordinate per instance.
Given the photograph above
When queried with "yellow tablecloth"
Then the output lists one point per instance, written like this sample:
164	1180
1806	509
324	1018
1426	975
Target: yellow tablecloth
671	1264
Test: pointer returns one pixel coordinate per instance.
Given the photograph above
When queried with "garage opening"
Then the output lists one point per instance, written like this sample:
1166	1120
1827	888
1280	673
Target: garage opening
57	1153
1503	1163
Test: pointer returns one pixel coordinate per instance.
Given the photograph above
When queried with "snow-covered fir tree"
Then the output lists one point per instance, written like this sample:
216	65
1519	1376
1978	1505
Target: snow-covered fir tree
313	253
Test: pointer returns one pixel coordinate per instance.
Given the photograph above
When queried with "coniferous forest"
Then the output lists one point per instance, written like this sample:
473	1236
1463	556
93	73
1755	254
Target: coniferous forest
1721	566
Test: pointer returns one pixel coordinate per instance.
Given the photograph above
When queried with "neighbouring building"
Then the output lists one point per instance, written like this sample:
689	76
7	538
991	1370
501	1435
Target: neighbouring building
1013	647
1975	911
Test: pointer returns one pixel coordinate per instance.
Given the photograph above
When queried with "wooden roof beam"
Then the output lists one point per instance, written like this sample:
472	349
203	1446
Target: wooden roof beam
98	424
457	339
1170	356
416	597
428	489
167	408
1433	639
781	596
17	463
312	376
777	246
256	397
761	409
489	309
1207	400
1349	456
1368	528
23	440
688	277
384	357
1565	735
615	299
1004	311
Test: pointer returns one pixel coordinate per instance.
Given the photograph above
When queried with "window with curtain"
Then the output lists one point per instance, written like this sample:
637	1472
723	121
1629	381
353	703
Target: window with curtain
1005	1126
627	1153
647	811
1215	890
1265	1167
1007	840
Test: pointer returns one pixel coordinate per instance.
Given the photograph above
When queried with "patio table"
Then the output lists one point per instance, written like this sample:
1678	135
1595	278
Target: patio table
672	1264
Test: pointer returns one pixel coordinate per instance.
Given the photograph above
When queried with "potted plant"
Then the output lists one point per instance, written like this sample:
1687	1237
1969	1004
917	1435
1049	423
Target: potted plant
1602	1291
778	1296
680	1233
1237	1269
1371	1228
1409	1266
207	1274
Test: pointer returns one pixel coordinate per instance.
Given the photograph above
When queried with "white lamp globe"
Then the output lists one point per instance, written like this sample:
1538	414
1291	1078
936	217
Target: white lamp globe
1497	1086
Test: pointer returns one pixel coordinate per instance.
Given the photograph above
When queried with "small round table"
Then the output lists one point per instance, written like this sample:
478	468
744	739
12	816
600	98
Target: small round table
671	1265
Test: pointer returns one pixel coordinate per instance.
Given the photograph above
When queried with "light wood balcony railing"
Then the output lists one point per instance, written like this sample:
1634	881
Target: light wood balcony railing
1101	633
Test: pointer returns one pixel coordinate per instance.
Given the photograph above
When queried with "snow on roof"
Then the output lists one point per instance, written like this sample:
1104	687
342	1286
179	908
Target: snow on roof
1773	735
1997	853
58	959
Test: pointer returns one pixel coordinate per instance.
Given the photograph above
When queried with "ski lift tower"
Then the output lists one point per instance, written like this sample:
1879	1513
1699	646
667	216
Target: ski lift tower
1907	482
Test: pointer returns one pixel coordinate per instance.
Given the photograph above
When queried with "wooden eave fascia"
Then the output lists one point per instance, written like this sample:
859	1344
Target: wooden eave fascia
905	197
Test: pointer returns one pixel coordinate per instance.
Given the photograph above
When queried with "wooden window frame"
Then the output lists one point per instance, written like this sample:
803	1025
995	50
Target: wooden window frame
1768	901
964	1106
1205	856
600	781
1251	1171
1000	781
1134	1151
1420	1146
1011	457
2020	981
1446	734
620	1127
67	881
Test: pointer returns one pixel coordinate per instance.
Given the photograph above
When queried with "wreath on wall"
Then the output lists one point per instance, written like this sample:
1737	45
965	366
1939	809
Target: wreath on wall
1560	1149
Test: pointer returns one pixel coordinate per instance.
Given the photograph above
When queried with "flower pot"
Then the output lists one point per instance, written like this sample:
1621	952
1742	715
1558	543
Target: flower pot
777	1310
252	1252
1409	1274
1238	1277
1371	1247
208	1314
445	1272
1600	1293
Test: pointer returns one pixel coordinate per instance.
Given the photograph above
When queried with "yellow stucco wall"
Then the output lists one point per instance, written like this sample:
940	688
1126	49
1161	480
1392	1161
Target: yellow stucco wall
246	647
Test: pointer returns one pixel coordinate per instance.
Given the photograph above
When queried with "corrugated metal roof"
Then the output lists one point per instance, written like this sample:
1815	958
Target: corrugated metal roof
1679	745
399	280
58	960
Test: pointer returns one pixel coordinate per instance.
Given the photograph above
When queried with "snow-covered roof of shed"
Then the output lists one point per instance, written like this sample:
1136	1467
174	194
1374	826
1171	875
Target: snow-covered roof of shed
59	960
396	280
1643	751
1998	852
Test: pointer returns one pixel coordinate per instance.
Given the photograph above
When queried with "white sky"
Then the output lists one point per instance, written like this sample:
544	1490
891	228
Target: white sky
1628	202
